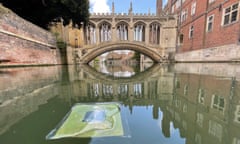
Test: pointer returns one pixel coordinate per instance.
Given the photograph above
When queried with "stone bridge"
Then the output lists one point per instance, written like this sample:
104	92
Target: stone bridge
150	34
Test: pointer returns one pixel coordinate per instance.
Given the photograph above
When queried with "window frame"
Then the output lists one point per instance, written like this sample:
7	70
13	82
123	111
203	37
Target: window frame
211	1
227	16
193	8
191	31
210	22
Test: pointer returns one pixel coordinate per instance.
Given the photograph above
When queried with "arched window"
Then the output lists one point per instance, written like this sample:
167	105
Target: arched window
122	32
139	32
154	33
105	32
91	34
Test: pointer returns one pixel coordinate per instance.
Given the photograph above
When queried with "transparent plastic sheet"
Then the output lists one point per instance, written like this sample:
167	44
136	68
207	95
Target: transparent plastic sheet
92	120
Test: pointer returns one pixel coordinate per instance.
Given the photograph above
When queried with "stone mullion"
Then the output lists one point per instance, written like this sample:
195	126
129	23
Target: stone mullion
147	34
97	35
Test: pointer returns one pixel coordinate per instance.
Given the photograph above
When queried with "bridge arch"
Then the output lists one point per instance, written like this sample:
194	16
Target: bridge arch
103	48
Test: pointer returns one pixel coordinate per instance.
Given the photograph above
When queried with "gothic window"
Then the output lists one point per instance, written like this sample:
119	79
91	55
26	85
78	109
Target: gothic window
152	89
122	32
138	89
105	32
91	34
230	14
123	90
107	90
154	34
139	32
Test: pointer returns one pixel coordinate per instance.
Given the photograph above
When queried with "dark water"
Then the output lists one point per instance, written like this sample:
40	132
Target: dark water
163	104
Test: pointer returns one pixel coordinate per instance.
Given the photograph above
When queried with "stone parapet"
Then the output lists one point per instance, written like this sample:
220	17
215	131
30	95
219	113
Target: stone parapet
226	53
221	70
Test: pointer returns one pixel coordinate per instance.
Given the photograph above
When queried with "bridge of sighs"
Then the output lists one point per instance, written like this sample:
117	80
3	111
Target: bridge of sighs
150	34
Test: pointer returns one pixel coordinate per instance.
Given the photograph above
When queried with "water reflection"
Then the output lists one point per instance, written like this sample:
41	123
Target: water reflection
184	104
121	70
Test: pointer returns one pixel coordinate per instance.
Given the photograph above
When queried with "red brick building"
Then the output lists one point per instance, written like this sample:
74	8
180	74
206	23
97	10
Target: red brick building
208	29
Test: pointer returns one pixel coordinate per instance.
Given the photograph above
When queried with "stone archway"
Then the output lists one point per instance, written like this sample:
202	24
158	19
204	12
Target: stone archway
92	53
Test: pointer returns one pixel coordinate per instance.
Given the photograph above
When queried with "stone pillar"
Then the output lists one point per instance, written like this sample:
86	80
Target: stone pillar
131	29
147	34
97	35
114	29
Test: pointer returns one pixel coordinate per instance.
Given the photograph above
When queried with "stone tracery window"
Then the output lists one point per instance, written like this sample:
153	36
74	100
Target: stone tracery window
154	33
91	34
139	32
105	32
122	32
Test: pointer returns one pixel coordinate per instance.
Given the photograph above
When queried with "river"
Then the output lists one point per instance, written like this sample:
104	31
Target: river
160	104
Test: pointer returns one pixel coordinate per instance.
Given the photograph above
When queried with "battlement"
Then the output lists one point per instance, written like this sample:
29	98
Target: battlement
131	15
123	15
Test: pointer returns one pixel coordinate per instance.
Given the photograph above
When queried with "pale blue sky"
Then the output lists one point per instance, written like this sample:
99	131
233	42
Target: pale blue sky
122	6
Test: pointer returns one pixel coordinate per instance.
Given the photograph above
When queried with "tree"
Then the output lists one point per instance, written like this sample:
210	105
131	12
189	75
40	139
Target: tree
42	12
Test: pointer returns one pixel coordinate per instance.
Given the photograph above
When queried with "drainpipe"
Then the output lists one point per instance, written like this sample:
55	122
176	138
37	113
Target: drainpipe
205	26
179	26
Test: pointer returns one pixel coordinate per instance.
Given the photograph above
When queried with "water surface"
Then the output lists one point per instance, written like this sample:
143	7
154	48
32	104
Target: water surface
162	104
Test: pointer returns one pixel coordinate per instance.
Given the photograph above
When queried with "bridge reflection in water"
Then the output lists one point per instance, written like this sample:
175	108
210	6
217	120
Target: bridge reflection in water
190	103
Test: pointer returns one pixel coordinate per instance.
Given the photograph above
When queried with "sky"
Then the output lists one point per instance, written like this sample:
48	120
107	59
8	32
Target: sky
122	6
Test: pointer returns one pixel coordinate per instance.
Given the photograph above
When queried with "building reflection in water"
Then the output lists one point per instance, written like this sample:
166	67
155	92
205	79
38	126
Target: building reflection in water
199	101
205	108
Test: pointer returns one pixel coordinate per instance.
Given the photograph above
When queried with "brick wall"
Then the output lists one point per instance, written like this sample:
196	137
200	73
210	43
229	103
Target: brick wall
23	43
222	35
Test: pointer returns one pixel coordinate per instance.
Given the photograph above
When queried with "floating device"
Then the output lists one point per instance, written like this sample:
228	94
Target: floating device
90	120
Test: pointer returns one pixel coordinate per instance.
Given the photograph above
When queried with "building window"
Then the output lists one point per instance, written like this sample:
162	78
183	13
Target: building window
181	38
237	114
230	14
211	1
139	32
154	33
178	3
210	23
218	103
215	129
105	32
173	8
201	96
191	32
200	119
184	15
122	32
193	8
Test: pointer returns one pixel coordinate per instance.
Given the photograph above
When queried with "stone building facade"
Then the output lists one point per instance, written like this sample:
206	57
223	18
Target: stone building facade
208	29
